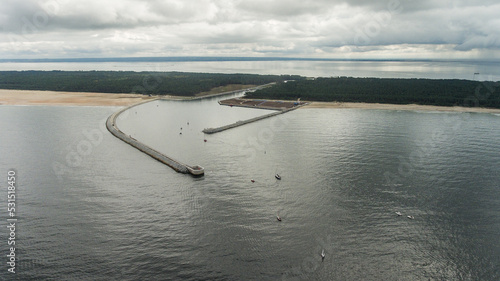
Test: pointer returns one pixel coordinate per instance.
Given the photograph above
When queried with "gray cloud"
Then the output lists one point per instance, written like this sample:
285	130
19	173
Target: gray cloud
53	28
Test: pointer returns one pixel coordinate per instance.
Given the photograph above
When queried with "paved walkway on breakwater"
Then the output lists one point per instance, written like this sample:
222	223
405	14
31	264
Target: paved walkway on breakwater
113	129
282	107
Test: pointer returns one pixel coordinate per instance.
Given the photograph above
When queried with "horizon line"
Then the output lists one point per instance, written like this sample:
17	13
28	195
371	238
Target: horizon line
226	58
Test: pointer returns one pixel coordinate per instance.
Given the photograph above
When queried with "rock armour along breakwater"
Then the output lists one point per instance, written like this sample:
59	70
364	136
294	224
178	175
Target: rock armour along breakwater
174	164
280	106
239	123
113	129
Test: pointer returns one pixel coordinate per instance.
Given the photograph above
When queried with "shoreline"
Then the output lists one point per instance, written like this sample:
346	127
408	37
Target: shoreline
54	98
409	107
63	98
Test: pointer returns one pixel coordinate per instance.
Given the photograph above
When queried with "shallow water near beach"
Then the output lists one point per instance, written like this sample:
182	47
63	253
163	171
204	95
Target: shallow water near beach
91	207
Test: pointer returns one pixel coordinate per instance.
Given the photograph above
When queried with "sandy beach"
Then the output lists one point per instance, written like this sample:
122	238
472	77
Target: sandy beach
21	97
414	107
34	97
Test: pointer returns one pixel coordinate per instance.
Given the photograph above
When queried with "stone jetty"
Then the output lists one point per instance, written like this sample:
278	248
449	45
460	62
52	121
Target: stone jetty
174	164
279	107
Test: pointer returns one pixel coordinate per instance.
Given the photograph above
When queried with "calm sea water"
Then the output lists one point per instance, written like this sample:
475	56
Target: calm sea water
91	207
485	70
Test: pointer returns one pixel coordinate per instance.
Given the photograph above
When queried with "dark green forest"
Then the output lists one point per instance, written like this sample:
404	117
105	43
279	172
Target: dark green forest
444	92
155	83
447	92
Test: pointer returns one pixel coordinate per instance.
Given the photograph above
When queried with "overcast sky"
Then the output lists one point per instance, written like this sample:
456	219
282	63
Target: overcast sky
286	28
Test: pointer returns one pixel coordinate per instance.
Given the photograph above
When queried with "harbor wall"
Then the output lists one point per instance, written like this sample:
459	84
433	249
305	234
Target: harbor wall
174	164
240	123
113	129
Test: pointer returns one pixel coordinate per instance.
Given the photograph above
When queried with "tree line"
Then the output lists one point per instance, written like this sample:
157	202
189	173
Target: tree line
442	92
155	83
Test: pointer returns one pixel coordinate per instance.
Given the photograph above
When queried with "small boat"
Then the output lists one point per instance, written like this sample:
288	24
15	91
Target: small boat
411	217
196	170
205	140
399	214
252	180
322	254
278	177
278	216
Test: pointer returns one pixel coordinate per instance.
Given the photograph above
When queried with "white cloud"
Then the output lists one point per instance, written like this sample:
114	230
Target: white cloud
328	28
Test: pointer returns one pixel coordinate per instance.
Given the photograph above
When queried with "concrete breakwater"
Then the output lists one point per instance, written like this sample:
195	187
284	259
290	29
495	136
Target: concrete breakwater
174	164
240	123
262	104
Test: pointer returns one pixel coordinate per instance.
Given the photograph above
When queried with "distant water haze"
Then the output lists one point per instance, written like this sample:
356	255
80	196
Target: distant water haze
433	69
